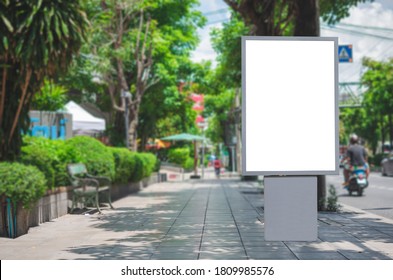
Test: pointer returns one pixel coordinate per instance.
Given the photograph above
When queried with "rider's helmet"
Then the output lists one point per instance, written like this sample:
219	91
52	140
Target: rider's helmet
353	139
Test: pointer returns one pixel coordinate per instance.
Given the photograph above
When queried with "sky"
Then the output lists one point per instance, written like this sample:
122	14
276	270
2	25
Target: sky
376	14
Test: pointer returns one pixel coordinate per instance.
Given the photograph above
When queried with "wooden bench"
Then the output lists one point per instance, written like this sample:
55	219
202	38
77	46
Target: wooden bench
87	188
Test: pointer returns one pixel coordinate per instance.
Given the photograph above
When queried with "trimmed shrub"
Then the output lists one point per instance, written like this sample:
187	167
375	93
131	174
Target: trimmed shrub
124	164
137	173
42	159
132	166
54	151
22	183
189	164
95	155
157	166
179	155
149	162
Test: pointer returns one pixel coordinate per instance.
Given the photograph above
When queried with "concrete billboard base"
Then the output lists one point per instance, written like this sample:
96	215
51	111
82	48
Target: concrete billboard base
291	208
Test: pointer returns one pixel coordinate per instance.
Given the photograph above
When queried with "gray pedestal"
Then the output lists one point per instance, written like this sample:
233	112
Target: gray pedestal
291	208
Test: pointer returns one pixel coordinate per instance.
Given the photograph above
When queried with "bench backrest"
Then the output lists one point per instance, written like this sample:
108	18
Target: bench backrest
76	169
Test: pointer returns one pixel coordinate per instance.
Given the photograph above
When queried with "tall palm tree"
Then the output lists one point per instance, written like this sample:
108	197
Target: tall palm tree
37	40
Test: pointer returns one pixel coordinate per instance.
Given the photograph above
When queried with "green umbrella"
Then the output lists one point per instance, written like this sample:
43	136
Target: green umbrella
187	137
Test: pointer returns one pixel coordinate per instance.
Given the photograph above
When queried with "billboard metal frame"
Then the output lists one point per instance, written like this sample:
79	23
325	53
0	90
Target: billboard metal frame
333	168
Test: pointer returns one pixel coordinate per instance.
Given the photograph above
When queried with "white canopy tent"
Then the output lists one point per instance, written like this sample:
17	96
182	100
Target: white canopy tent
82	121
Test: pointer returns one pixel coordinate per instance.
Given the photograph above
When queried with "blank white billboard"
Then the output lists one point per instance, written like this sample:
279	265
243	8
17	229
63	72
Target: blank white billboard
290	105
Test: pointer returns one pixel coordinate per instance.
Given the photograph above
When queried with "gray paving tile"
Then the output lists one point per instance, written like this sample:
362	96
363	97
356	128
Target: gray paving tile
320	256
269	255
222	253
177	249
221	238
281	249
179	243
221	243
310	247
365	255
210	256
175	256
221	234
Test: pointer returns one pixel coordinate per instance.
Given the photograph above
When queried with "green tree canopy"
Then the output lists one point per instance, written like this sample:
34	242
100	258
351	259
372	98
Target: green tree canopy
378	98
141	47
37	40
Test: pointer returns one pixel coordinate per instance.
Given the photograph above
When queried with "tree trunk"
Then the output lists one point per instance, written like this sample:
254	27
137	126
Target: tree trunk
132	133
307	24
10	144
307	18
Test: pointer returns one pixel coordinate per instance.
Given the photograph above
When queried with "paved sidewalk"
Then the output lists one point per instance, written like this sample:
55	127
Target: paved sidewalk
198	219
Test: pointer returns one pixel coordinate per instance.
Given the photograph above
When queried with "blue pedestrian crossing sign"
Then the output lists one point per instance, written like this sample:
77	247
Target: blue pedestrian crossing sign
345	53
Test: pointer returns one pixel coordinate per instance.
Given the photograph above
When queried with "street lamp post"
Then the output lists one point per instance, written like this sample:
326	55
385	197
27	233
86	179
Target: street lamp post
127	96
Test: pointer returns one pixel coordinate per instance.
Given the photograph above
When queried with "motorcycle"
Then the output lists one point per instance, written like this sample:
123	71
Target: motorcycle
357	181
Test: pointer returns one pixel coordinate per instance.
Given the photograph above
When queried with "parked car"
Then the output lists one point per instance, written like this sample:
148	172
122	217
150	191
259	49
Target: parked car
387	165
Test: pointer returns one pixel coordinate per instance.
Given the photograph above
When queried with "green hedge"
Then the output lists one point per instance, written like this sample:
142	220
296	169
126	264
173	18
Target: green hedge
43	162
181	156
22	183
47	154
52	157
42	159
137	173
149	163
95	155
189	164
125	164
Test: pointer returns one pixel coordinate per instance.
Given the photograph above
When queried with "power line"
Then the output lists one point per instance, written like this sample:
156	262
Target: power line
220	11
217	21
354	32
366	27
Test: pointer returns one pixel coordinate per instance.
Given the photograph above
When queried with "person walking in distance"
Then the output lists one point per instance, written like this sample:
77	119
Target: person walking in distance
217	167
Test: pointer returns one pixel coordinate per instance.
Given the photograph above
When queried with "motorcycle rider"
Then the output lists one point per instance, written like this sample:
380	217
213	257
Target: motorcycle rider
356	158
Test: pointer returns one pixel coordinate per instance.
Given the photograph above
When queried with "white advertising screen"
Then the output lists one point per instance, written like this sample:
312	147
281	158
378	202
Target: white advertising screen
289	105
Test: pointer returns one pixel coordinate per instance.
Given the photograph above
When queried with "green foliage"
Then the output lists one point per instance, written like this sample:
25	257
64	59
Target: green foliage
51	97
332	200
125	164
178	155
149	163
227	43
21	183
37	40
42	159
188	164
218	107
374	121
98	159
53	156
137	173
181	156
55	152
333	11
172	36
375	160
132	166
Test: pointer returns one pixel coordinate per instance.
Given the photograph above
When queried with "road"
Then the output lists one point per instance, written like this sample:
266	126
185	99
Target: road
377	198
